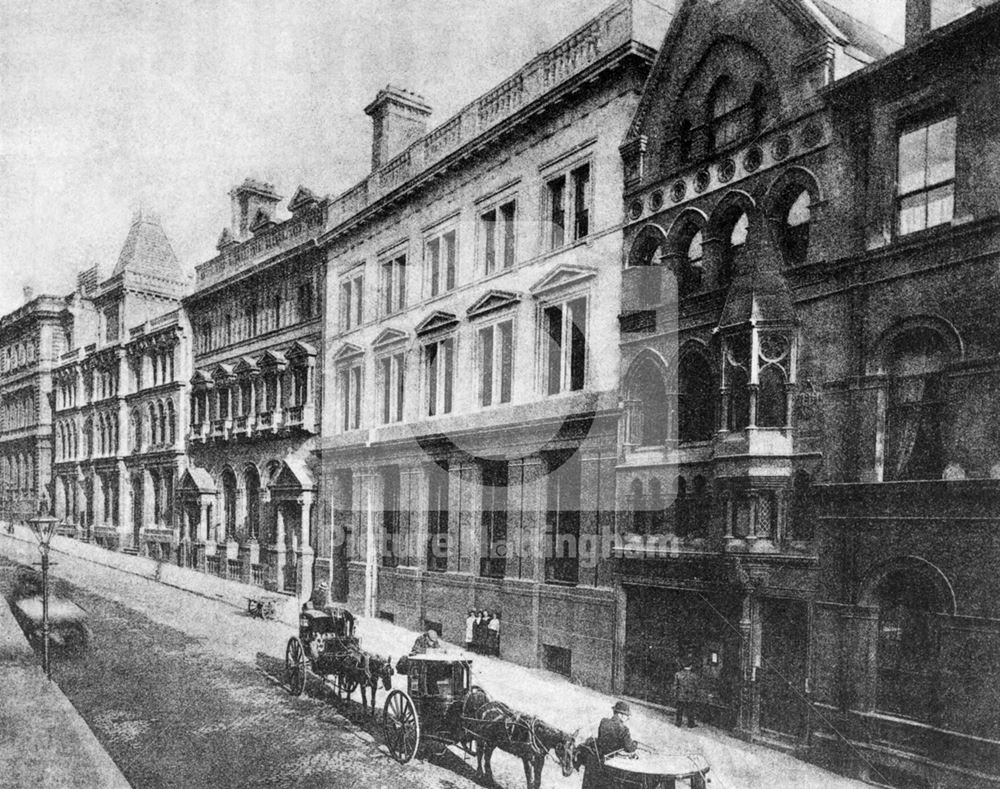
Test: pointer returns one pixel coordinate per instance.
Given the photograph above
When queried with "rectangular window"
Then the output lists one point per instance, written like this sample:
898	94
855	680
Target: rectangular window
393	285
497	237
440	262
439	366
229	329
251	320
562	519
565	327
206	336
392	373
437	519
351	302
391	518
305	301
493	563
926	176
496	363
350	397
569	206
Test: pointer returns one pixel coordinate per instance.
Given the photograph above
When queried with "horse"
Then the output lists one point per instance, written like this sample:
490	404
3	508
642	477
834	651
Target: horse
588	758
492	724
366	670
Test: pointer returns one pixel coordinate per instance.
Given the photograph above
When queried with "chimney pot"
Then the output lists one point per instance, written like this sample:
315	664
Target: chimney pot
918	20
29	293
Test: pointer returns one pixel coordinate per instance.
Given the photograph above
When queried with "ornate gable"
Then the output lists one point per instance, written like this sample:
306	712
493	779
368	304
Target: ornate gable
226	240
437	321
562	277
390	336
222	372
346	352
303	198
491	301
201	378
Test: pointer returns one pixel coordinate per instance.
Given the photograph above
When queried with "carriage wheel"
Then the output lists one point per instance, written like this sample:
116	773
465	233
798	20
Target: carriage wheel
401	726
295	667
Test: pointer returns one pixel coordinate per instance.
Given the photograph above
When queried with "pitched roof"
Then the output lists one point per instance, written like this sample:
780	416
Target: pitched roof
865	37
148	250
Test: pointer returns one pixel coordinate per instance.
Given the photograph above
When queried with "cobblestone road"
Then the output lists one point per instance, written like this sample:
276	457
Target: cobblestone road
176	709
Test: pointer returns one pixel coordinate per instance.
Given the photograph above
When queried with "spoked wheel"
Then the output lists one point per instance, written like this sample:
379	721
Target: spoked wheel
295	667
401	726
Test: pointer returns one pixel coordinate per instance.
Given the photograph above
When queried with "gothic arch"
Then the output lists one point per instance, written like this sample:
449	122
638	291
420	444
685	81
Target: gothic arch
643	250
944	328
920	567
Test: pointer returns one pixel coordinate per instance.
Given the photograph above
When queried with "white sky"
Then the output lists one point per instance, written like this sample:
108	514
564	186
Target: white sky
106	105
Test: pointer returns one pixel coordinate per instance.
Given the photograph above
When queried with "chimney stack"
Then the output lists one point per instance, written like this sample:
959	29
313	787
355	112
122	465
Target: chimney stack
29	293
398	118
918	20
249	200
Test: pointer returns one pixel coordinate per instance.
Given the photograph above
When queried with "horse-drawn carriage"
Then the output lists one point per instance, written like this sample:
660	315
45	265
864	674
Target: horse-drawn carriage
327	645
440	707
645	769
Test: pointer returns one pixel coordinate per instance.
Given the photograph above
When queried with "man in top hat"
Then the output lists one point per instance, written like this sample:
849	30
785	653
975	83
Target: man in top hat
613	735
686	692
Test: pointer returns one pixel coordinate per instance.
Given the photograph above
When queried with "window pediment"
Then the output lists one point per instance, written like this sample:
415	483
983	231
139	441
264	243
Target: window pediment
300	350
303	198
346	352
222	372
390	337
246	366
261	222
201	378
561	278
491	301
437	321
225	240
272	359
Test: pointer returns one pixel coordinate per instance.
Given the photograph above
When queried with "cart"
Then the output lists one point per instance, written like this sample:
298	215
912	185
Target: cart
428	714
655	771
325	635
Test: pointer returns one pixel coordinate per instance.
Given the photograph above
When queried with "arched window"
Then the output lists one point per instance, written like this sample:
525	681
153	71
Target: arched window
229	501
161	416
907	646
723	121
251	481
697	395
737	371
916	406
735	241
684	141
153	432
135	431
171	423
648	390
637	507
691	275
656	507
795	221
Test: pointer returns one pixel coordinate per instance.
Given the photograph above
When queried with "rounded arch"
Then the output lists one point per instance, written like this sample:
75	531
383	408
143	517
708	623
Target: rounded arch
229	484
788	205
647	385
791	178
920	569
648	240
883	350
727	211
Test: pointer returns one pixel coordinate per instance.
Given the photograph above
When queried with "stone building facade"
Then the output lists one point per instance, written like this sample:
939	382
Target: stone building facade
806	482
118	399
471	367
31	339
246	502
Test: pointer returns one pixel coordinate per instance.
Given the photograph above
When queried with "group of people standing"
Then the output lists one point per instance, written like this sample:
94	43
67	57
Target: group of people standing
482	632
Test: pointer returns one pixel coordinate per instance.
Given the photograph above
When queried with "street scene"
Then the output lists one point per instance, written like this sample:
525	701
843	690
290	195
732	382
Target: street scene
184	691
598	393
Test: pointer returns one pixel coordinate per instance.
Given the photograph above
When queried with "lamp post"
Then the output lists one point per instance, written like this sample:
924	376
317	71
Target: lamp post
43	526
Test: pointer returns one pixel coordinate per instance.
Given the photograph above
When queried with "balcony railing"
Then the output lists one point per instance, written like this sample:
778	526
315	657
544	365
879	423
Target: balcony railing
198	432
241	425
300	416
213	565
233	569
258	574
221	428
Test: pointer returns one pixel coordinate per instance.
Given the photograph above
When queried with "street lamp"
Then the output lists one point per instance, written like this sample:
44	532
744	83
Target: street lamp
43	526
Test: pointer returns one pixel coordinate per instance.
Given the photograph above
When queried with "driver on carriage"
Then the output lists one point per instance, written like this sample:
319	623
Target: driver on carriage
320	598
426	642
613	736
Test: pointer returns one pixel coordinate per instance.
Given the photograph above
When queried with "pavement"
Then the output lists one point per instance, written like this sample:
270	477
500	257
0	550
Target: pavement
734	763
43	740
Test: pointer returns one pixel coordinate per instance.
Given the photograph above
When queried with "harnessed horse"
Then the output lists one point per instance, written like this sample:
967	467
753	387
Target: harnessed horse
492	724
366	670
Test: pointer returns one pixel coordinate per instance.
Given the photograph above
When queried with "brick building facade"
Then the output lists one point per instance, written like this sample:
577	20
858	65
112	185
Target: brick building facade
808	362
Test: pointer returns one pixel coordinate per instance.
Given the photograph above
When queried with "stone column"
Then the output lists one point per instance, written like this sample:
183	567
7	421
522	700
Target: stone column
278	549
305	555
466	494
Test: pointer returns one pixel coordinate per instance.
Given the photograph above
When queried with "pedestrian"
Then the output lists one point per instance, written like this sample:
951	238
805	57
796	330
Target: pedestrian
686	693
426	642
320	598
493	630
477	636
470	629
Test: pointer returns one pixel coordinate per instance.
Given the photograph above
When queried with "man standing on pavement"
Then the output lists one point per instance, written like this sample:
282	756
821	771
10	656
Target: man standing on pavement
493	629
425	643
686	693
